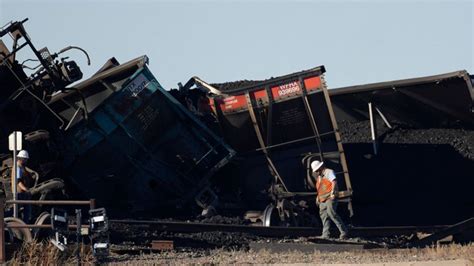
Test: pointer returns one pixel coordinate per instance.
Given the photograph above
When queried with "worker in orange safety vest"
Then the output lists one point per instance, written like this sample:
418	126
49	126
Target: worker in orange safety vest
326	199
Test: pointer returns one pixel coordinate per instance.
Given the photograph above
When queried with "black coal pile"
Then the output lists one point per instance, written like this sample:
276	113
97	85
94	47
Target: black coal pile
420	176
219	219
140	235
230	86
224	240
461	140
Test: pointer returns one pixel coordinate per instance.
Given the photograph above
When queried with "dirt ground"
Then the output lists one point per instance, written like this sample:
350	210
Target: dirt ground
440	255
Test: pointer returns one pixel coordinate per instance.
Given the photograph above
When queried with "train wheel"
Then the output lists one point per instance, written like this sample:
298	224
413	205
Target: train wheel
271	216
22	234
43	218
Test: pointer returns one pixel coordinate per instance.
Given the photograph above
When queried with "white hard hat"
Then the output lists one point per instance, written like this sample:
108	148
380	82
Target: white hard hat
315	165
23	154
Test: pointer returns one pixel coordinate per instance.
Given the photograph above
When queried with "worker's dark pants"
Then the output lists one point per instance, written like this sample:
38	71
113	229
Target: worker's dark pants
26	207
327	212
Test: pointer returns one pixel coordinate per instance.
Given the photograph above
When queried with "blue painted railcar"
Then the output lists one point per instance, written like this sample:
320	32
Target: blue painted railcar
133	147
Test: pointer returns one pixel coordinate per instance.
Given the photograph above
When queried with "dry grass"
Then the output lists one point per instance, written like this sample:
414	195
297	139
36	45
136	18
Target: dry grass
437	253
45	253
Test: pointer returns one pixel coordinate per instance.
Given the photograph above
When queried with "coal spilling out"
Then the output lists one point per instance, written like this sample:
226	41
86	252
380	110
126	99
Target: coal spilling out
461	140
418	177
184	241
196	237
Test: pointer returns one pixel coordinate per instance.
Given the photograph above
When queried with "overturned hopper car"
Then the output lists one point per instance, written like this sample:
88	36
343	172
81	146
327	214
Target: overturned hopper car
133	147
278	127
118	136
419	138
404	141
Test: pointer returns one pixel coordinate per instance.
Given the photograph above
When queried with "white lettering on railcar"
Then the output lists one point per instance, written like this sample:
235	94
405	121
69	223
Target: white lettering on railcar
229	101
289	88
137	85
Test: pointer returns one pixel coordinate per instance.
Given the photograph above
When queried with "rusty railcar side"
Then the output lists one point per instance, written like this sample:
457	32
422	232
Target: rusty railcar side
278	127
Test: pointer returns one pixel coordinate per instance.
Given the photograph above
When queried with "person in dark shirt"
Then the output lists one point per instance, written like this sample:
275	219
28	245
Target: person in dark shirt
25	181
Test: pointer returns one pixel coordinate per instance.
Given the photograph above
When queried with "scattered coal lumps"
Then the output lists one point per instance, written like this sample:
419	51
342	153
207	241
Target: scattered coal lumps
218	219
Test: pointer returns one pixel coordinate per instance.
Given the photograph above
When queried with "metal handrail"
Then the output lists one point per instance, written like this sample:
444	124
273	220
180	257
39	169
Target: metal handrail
90	202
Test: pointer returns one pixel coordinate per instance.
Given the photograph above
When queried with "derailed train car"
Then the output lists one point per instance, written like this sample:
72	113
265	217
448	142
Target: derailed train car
118	137
404	140
278	127
406	146
138	149
23	107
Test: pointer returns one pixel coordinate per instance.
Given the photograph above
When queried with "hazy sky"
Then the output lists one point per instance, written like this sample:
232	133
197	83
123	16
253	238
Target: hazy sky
358	41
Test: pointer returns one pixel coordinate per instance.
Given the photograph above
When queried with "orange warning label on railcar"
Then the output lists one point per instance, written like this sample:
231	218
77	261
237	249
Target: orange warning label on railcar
312	84
260	96
233	103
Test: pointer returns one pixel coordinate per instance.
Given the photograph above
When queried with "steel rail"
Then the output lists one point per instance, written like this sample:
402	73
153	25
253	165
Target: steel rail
42	226
90	202
274	231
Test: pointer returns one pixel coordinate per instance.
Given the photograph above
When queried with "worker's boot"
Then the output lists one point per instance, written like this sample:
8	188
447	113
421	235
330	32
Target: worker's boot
344	236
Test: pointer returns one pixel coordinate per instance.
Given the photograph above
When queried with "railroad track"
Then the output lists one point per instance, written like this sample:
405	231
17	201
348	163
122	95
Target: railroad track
139	236
273	231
